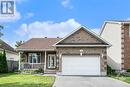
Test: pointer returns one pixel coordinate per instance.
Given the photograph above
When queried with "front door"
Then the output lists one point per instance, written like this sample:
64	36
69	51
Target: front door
51	61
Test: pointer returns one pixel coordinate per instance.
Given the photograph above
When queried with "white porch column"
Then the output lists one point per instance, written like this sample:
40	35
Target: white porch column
19	60
45	62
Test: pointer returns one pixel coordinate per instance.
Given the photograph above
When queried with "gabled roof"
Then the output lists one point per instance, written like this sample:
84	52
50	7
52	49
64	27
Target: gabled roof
5	46
38	44
114	22
105	43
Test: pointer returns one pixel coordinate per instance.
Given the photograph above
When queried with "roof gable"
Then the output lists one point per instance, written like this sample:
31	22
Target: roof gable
82	36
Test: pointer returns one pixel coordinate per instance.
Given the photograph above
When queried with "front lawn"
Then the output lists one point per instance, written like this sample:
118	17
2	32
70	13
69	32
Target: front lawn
122	78
19	80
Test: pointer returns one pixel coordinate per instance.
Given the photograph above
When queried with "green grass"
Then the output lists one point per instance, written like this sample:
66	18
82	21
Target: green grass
122	78
19	80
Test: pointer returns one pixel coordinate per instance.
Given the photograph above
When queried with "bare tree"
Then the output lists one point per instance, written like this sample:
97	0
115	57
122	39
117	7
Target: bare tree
19	43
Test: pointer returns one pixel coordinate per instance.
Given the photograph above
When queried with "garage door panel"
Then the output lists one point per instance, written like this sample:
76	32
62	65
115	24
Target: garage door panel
80	65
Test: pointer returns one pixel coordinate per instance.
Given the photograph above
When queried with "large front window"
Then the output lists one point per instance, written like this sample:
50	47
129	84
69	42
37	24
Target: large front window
34	57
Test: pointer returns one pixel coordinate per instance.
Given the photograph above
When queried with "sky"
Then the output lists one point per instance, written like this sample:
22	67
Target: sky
57	18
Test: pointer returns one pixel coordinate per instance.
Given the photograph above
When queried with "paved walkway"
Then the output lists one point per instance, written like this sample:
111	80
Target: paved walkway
82	81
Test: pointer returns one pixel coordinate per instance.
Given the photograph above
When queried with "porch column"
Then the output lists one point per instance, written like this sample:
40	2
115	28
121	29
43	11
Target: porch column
19	60
45	62
60	62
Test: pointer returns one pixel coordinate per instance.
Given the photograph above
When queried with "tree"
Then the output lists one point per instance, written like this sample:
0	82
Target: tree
1	56
3	63
19	43
1	27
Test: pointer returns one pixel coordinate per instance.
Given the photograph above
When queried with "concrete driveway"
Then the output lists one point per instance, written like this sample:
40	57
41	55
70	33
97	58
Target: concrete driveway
82	81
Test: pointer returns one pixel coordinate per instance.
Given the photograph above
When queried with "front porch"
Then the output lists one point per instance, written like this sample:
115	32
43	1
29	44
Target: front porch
46	60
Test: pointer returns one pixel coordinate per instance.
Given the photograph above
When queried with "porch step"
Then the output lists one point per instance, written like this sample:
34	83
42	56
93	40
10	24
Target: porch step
50	72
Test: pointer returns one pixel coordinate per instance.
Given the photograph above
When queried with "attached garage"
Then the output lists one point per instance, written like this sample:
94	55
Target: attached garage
82	52
81	65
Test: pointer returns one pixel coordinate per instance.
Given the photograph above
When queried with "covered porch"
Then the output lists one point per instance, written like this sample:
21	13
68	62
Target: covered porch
34	60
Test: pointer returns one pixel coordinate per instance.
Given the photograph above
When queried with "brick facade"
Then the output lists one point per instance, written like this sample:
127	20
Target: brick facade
86	51
126	47
81	37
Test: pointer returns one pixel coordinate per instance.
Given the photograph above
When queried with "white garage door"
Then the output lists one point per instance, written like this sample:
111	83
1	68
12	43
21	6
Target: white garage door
80	65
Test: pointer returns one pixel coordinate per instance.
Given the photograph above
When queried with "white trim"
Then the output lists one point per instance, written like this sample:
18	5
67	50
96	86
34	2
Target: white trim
45	62
35	49
9	51
113	22
82	45
119	22
32	59
19	61
50	55
102	28
104	24
87	30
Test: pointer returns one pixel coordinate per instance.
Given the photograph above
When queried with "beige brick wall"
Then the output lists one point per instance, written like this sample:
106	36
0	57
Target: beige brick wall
81	37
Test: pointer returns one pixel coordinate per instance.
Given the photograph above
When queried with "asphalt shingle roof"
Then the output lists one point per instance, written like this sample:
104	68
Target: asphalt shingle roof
39	44
5	46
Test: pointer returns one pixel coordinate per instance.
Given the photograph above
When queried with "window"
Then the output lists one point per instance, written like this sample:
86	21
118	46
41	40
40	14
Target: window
34	58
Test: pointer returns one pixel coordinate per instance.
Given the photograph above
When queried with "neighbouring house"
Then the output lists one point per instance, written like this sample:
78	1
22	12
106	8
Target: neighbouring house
11	55
81	52
117	33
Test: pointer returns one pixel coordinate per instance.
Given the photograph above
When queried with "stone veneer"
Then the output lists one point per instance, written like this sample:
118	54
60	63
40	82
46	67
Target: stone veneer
86	51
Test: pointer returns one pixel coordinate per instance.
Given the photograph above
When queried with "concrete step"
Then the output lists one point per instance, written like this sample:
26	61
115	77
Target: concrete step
50	72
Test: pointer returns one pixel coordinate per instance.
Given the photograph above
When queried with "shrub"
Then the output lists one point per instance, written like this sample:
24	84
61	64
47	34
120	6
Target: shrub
40	70
3	63
110	71
1	56
27	71
128	70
